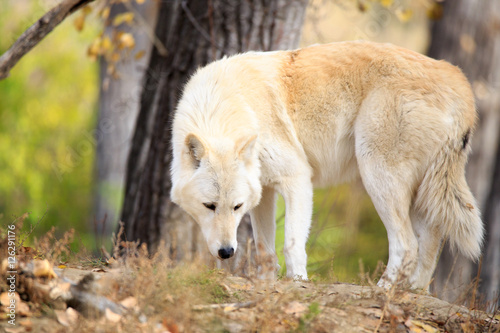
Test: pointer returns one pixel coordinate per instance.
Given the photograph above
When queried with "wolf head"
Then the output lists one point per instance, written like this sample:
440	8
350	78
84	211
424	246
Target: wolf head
217	181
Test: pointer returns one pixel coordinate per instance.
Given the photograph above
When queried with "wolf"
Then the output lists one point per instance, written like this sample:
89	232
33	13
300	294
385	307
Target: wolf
256	124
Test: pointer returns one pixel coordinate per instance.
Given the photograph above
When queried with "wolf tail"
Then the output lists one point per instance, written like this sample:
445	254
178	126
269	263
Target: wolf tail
446	202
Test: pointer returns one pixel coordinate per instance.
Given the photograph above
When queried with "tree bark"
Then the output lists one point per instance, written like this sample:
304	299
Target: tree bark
194	33
468	35
119	99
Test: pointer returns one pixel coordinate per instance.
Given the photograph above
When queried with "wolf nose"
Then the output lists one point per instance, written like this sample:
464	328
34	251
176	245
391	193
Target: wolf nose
226	252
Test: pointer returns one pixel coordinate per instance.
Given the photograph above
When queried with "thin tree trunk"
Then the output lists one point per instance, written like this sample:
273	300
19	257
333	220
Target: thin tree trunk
468	35
194	33
118	108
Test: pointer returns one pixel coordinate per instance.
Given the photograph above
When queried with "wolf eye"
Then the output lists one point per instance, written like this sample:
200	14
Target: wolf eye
210	205
238	206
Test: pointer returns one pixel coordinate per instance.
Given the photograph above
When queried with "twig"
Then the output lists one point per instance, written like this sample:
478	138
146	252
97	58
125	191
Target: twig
197	25
148	30
476	282
33	227
224	305
31	37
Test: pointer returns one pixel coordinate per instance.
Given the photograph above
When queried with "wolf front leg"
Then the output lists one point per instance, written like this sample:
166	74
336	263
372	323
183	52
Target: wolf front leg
264	232
297	192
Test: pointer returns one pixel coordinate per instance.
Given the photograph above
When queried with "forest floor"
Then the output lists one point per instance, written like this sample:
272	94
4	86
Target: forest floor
144	294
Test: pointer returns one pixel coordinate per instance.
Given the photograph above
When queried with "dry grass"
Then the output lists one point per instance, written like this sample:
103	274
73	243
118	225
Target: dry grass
190	297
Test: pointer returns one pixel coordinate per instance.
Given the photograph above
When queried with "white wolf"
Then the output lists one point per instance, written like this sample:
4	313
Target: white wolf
258	123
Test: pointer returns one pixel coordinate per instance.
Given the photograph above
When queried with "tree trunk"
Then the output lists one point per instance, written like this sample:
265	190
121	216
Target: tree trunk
468	35
194	33
118	108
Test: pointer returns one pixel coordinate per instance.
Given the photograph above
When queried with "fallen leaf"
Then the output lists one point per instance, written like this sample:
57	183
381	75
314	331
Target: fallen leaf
4	266
426	327
129	302
230	308
99	270
170	325
67	317
42	268
111	260
4	299
111	316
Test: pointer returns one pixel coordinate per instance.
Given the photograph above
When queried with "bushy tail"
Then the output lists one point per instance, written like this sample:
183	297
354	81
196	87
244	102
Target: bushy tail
447	202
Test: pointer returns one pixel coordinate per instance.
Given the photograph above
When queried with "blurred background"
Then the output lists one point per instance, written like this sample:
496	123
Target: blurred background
69	109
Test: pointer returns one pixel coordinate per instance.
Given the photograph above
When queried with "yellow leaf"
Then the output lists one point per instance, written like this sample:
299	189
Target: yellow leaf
139	54
106	44
86	10
127	17
426	327
61	266
94	49
115	57
386	3
105	12
435	12
404	15
127	41
79	22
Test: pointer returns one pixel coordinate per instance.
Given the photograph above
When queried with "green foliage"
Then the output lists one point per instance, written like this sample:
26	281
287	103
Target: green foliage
345	230
47	112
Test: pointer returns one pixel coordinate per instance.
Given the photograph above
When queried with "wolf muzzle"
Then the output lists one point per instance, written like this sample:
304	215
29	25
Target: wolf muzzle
226	252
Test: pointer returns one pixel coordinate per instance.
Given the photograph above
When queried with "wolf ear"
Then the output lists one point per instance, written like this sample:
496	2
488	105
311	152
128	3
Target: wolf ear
197	149
245	146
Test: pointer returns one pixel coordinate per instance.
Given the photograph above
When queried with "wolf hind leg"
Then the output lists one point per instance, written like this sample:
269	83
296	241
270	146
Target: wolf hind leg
390	192
429	244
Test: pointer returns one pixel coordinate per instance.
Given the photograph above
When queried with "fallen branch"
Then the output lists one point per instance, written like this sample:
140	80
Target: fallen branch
226	306
41	28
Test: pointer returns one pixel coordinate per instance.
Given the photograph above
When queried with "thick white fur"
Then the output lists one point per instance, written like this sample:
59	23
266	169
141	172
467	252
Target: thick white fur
258	123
